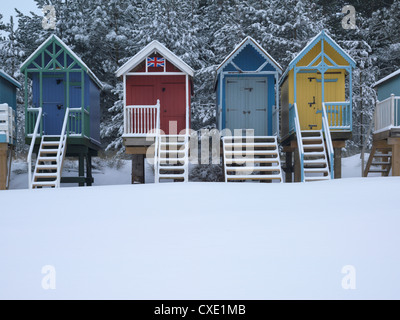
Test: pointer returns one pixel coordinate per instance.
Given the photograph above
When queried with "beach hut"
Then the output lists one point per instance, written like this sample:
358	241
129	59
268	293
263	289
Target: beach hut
316	110
157	98
8	137
63	118
385	153
247	90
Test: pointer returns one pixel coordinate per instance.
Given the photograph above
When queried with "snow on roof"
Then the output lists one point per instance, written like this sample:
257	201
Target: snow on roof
233	54
146	51
390	76
306	48
6	76
73	54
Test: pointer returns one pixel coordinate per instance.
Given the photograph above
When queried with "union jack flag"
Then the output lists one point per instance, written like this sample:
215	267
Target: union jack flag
155	62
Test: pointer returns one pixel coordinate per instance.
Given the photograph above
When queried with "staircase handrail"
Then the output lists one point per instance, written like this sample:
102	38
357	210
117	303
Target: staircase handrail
156	144
328	138
61	146
299	140
32	146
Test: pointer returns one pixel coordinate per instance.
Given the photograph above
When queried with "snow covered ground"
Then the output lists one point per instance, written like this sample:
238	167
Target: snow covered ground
202	240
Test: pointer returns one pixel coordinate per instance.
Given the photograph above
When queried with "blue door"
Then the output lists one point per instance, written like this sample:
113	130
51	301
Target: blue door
247	104
53	105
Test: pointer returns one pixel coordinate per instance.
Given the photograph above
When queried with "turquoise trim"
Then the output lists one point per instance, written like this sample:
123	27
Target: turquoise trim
3	138
10	79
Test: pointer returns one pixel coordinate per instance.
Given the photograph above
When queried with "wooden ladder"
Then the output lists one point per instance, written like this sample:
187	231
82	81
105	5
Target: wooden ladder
380	159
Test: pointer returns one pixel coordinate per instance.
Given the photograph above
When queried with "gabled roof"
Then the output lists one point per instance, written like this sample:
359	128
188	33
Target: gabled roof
390	76
256	46
148	50
311	44
10	79
50	40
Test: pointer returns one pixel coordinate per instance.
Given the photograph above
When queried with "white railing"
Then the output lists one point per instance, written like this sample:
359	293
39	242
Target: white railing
62	148
141	121
387	114
7	122
299	139
326	129
34	136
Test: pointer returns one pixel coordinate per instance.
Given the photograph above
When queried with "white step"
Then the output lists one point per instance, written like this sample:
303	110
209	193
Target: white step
311	179
314	138
172	176
246	145
50	143
316	170
254	169
315	162
44	184
172	168
45	175
47	159
252	160
314	146
254	177
314	154
252	152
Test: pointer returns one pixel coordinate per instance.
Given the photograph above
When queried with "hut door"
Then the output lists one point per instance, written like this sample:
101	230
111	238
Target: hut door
173	107
236	110
53	105
309	100
256	92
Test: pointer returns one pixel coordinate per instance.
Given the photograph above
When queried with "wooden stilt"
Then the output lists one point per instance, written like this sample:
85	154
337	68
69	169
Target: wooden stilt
289	167
81	168
3	165
395	143
89	177
297	166
338	163
138	168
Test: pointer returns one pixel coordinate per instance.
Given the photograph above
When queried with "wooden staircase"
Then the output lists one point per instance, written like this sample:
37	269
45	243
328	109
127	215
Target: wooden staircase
172	158
316	166
49	162
251	159
380	159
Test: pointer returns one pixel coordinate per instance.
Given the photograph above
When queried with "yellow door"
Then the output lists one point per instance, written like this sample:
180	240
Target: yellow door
308	99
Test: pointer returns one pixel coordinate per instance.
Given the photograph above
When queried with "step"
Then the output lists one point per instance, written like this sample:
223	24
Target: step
315	162
46	167
377	171
313	146
381	164
50	143
47	159
314	154
45	175
172	151
257	160
254	177
311	179
382	155
171	176
254	169
314	139
252	152
316	170
172	143
255	144
48	151
44	184
171	168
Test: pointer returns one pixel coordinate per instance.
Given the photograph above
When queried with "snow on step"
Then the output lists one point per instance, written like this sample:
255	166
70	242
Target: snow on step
242	154
316	166
172	158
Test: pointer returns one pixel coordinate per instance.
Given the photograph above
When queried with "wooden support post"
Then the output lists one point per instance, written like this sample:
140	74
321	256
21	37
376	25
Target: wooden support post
81	168
89	170
297	166
289	167
395	143
3	165
138	168
338	163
